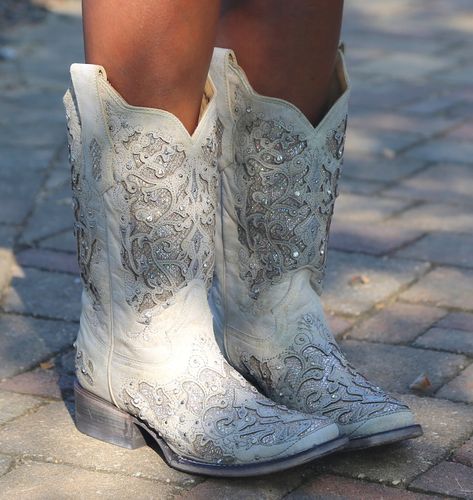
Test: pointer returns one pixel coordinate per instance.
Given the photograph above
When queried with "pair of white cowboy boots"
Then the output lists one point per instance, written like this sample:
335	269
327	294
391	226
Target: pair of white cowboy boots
241	207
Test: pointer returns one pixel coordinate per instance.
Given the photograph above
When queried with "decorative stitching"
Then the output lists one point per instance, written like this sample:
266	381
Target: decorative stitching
167	211
85	227
312	375
284	197
211	411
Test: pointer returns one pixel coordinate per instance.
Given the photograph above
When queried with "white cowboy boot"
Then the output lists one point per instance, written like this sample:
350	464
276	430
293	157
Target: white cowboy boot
145	196
279	183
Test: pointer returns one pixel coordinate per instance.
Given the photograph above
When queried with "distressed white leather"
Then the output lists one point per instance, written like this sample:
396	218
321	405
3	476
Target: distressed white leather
279	180
145	195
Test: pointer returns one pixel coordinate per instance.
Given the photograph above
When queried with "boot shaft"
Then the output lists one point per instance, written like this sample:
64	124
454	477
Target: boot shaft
144	201
279	185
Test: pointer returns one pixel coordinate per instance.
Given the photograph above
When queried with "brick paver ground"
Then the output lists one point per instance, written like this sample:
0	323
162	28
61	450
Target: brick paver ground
399	285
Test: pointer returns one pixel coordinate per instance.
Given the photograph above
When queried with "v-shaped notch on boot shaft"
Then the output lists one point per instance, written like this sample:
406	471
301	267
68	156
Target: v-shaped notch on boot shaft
92	75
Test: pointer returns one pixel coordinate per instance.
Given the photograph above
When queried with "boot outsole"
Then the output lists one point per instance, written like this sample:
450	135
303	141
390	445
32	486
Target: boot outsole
382	438
99	419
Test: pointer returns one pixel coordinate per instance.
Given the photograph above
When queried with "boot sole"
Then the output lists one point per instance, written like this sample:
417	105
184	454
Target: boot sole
387	437
99	419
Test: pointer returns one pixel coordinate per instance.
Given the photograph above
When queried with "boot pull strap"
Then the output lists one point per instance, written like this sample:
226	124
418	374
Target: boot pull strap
84	83
341	69
218	67
220	55
95	133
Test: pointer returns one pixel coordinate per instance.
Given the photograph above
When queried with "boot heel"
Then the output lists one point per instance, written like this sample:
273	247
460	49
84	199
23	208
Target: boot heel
99	419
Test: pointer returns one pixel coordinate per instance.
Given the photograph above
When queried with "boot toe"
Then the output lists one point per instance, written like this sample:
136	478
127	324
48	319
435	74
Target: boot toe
320	435
376	425
317	432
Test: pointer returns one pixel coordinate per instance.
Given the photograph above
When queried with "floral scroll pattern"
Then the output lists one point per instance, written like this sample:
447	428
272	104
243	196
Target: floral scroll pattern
312	375
167	205
285	194
212	412
85	227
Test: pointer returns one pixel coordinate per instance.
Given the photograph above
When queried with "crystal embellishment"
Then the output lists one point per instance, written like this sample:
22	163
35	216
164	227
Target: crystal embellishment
85	226
284	198
167	210
316	377
207	410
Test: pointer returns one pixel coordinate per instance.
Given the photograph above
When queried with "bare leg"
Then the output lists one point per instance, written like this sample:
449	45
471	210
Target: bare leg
286	48
156	52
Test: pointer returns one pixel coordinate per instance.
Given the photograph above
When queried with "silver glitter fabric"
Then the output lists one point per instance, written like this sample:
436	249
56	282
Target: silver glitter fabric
84	205
312	375
211	411
167	211
284	197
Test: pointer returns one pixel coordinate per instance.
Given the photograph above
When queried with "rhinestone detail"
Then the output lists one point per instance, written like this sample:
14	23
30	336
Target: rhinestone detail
284	198
167	204
212	412
313	371
84	203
